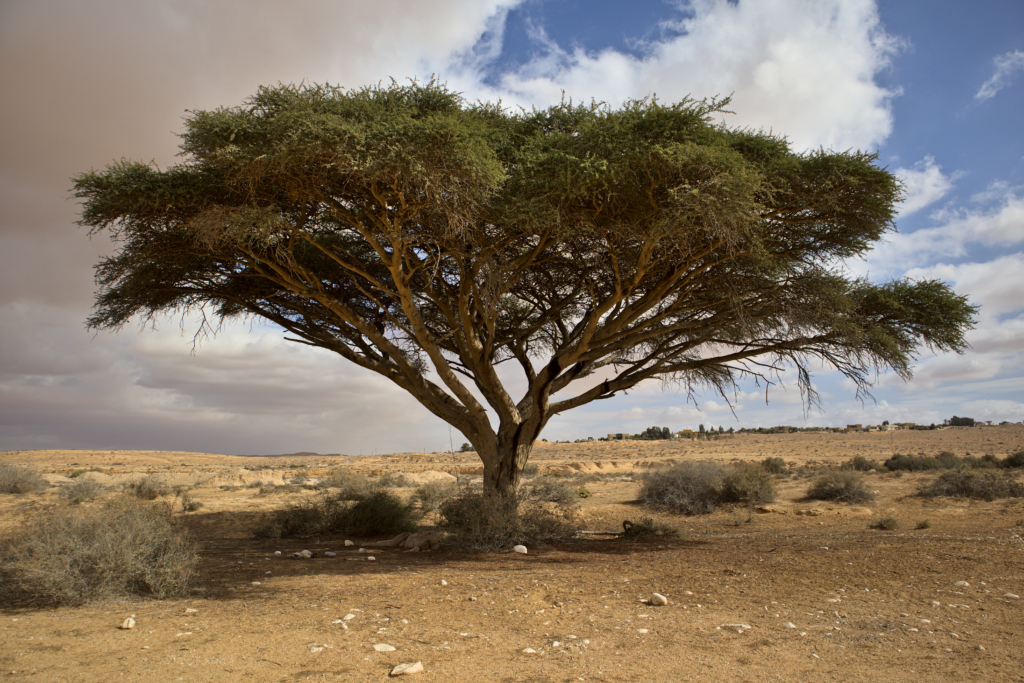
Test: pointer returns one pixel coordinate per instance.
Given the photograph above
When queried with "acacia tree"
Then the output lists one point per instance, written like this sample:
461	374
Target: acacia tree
430	240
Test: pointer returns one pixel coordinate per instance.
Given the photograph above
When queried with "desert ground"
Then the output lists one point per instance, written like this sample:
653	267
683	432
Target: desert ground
803	591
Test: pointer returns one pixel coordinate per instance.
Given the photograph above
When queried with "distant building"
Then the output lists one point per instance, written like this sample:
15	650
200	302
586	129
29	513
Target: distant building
618	437
854	428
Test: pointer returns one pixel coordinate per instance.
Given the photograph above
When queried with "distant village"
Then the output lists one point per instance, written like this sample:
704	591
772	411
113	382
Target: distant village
664	433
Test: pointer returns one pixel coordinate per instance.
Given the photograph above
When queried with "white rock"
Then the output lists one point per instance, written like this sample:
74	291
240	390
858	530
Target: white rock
362	550
555	644
255	583
268	573
128	623
349	544
1011	596
521	549
658	599
529	651
442	582
384	647
963	584
193	610
316	649
349	617
788	624
407	669
370	557
277	553
936	603
330	553
904	614
979	648
641	630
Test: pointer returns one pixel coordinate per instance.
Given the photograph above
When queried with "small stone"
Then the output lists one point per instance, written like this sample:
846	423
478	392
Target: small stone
586	641
268	573
979	648
442	582
641	630
349	617
529	651
407	669
191	610
521	549
936	603
349	544
904	614
962	584
277	553
362	550
1011	596
913	630
658	599
255	583
788	624
687	592
370	558
740	627
316	649
330	553
384	647
128	623
555	644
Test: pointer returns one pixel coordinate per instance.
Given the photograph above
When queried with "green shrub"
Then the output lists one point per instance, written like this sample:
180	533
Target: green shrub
380	513
983	485
887	523
844	486
923	524
190	504
352	485
584	492
430	495
775	465
323	514
489	522
81	491
690	488
71	556
912	463
552	490
148	488
747	483
647	527
14	479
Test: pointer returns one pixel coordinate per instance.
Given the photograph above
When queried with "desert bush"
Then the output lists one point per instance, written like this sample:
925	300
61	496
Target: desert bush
531	471
886	523
380	513
352	485
775	465
984	462
271	489
747	483
861	464
148	488
1013	461
14	479
71	556
584	492
430	495
646	527
983	485
844	486
552	490
690	487
190	504
488	522
393	480
923	524
81	491
323	514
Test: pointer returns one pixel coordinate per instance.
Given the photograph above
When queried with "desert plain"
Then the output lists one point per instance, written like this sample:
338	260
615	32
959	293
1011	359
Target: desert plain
800	591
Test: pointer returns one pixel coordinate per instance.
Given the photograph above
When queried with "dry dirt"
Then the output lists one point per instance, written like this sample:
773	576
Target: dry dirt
867	605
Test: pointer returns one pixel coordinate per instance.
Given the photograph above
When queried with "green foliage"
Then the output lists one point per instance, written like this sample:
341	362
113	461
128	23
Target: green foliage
1013	461
68	556
843	486
747	483
379	514
982	485
323	514
14	479
488	522
352	485
654	434
691	488
862	464
552	490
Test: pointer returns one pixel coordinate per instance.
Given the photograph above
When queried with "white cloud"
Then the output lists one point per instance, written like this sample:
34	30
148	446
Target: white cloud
925	184
996	285
1006	66
803	68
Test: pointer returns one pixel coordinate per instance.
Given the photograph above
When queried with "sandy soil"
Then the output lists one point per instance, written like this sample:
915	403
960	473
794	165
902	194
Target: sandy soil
866	605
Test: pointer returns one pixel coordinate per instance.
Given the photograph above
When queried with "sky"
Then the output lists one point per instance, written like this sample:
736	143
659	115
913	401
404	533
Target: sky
935	87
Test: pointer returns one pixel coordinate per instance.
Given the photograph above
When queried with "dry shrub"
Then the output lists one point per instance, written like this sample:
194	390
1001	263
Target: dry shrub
1013	461
983	485
323	514
14	479
646	527
886	523
862	464
553	490
380	513
71	556
775	465
691	488
148	488
844	486
352	485
81	491
429	496
747	483
491	522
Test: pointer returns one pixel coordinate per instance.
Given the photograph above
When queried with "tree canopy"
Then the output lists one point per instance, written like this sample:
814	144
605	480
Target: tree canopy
430	240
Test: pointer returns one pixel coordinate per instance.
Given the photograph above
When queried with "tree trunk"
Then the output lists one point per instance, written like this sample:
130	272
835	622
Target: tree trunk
504	463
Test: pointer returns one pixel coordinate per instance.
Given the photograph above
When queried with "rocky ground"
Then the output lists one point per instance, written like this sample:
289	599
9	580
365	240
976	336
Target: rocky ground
803	592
